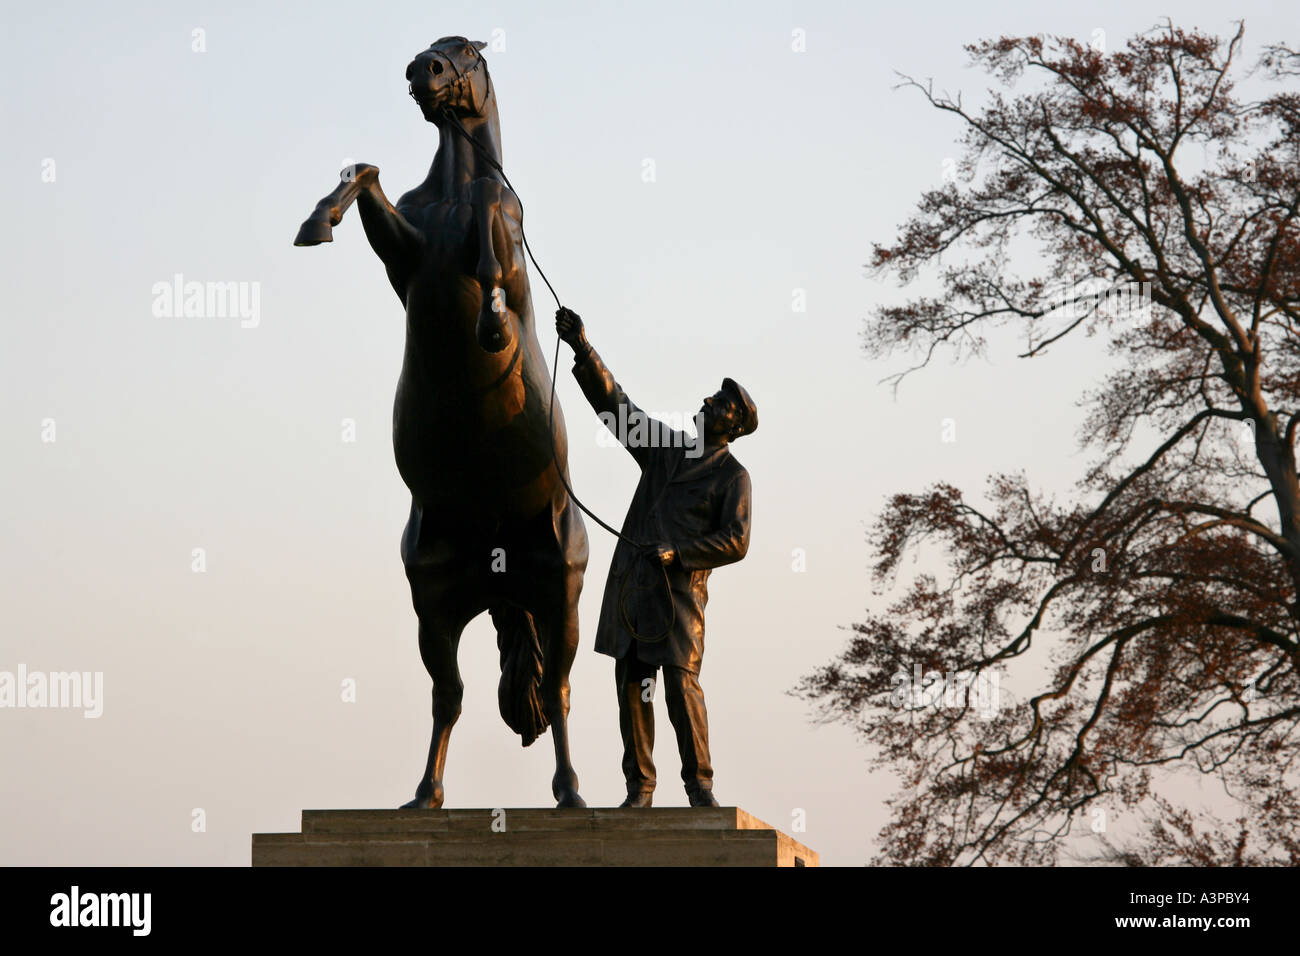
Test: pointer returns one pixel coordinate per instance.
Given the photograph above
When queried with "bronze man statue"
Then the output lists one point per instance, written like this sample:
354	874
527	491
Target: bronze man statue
692	507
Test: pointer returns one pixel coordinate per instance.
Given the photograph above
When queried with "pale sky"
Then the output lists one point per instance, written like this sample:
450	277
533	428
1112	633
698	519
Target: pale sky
134	157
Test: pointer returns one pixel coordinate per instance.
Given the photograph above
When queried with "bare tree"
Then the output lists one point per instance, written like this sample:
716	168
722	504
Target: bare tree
1165	207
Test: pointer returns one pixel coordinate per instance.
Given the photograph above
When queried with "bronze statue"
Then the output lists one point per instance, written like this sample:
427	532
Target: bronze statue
491	526
692	506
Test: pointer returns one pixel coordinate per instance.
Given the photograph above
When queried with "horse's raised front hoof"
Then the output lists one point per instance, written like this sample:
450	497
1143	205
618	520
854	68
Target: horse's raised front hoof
570	798
313	232
493	327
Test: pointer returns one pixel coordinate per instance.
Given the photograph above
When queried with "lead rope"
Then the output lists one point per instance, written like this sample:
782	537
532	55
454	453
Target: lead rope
555	457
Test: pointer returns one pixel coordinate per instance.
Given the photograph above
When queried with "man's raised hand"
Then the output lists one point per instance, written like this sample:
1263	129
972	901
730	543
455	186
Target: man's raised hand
568	325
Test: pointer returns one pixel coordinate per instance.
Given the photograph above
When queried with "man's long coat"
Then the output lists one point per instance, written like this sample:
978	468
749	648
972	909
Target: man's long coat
698	505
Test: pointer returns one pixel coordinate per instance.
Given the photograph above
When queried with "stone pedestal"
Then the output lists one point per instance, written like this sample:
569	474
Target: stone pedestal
667	836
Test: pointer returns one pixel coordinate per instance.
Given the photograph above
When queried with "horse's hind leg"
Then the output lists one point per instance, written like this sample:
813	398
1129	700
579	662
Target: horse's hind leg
559	632
439	639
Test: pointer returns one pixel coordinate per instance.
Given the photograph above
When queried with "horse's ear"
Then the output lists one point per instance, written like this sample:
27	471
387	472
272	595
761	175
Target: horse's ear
478	44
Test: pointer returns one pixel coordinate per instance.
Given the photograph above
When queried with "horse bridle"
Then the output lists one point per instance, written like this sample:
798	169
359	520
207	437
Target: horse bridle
462	78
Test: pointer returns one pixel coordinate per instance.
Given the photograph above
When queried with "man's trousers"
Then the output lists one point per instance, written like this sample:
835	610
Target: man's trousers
636	722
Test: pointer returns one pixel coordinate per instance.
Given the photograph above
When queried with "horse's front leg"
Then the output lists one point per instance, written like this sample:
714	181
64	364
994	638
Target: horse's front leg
392	237
493	329
319	226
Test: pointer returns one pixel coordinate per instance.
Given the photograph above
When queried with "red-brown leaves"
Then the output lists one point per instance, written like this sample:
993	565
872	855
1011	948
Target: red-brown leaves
1152	619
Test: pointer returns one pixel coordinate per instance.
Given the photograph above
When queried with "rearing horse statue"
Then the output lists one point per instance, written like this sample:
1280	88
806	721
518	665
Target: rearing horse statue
491	527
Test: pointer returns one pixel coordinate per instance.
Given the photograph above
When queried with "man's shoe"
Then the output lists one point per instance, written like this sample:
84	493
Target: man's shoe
641	799
702	798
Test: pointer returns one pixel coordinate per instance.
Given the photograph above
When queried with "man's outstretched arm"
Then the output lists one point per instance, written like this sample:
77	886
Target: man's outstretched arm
634	429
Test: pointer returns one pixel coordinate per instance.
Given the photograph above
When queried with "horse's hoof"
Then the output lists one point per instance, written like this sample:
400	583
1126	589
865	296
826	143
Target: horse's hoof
570	798
422	803
313	232
493	328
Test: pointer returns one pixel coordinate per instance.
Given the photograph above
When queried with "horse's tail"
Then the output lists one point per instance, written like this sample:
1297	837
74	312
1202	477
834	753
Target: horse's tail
519	694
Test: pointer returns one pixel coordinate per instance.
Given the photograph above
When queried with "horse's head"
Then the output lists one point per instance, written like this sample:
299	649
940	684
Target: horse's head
450	81
451	74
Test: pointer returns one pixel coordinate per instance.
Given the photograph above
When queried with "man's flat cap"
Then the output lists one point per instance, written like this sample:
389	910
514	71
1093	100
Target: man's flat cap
748	410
